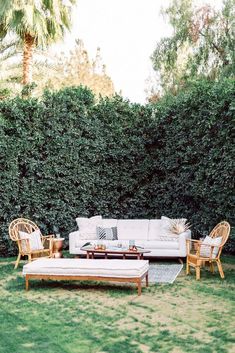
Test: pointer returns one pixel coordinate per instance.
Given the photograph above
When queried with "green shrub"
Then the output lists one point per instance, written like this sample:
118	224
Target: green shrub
67	155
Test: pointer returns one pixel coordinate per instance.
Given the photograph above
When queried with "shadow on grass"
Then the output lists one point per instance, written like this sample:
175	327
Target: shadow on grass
113	290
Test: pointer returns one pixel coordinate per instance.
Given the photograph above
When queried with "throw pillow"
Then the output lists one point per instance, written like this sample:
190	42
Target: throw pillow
35	240
168	223
115	233
205	250
87	227
106	233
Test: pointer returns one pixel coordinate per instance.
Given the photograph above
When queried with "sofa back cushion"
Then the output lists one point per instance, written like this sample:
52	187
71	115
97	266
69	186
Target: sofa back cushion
131	229
109	222
87	226
155	229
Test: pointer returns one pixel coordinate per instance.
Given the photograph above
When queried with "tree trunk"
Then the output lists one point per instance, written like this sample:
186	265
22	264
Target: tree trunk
29	42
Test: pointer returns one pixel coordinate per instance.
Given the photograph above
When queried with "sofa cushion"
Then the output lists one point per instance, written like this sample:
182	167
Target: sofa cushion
124	243
161	244
109	223
133	229
87	226
155	229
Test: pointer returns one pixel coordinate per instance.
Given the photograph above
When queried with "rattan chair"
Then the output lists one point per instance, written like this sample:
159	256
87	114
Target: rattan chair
27	226
196	250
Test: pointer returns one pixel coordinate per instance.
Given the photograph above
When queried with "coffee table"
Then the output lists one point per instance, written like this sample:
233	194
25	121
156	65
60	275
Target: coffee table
91	251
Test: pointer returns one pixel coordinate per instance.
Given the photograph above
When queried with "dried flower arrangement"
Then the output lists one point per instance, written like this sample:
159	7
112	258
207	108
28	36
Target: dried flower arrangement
178	226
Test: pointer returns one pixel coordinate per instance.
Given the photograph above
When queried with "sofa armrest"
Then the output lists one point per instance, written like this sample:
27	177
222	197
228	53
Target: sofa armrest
72	241
182	242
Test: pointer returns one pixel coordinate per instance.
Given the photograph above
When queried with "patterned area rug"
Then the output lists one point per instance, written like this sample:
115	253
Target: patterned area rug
166	273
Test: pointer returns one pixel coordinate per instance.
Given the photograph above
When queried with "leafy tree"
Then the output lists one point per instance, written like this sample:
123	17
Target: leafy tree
202	44
78	69
11	71
36	23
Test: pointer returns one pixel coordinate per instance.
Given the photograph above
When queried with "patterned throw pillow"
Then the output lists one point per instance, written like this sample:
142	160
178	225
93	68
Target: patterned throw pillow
106	233
35	241
205	250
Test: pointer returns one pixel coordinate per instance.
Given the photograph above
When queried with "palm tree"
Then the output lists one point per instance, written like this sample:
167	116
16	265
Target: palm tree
36	23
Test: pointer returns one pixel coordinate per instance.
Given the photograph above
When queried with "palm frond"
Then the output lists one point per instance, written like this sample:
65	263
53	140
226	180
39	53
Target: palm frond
178	226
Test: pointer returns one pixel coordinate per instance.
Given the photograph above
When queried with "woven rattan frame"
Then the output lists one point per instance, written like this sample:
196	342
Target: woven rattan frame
222	229
21	224
27	226
194	259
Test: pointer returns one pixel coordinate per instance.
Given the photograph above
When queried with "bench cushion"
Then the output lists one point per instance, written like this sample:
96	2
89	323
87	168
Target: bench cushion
86	267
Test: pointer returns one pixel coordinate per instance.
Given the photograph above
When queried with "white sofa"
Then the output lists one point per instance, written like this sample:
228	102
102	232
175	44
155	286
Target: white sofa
148	234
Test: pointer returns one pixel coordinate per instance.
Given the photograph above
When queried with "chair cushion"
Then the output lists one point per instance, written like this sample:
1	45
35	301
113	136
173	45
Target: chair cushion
205	251
84	267
35	240
87	226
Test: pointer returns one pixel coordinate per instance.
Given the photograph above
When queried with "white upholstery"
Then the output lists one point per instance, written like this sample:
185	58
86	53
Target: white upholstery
129	229
125	243
161	244
87	226
146	233
155	229
84	267
108	223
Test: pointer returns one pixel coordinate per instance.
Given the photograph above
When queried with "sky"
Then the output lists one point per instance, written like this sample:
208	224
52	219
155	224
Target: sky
126	32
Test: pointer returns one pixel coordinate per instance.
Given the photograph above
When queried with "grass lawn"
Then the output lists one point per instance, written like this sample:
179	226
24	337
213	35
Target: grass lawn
73	317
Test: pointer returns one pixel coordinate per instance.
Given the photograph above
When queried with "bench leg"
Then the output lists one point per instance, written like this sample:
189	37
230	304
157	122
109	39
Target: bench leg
26	282
147	280
139	286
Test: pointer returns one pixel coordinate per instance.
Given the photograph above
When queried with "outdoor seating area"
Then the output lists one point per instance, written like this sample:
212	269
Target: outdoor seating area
117	176
114	238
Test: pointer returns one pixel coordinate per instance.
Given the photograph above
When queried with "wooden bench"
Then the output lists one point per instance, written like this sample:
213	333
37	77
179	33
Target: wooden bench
133	271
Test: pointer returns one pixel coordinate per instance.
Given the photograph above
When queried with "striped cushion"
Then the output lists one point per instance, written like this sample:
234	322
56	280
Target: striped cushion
106	233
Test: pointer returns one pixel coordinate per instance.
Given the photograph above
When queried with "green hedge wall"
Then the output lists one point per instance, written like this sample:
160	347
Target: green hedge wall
67	155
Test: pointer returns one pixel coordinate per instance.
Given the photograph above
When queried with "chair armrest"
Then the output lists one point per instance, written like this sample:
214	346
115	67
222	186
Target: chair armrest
182	242
48	238
72	241
198	247
193	244
24	245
